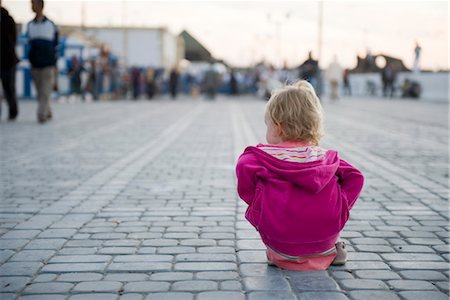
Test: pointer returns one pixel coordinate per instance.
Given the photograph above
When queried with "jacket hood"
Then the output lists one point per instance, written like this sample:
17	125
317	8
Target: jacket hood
311	176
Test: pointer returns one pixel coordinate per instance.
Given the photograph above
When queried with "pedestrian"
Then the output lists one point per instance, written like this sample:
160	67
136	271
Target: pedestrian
334	74
136	82
8	62
150	83
411	89
299	194
309	71
234	89
91	84
388	77
210	82
104	73
74	73
115	78
173	82
271	81
346	80
416	65
42	36
125	84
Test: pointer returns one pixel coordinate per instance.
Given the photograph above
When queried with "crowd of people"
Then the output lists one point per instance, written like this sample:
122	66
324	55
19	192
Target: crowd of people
103	78
95	80
97	77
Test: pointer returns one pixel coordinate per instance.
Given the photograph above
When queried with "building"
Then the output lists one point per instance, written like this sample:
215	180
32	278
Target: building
138	46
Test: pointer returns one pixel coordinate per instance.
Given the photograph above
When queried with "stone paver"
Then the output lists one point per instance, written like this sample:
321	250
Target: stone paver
137	200
13	283
98	286
47	288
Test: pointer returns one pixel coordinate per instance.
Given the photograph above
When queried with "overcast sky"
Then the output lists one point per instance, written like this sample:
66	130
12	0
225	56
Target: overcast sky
243	32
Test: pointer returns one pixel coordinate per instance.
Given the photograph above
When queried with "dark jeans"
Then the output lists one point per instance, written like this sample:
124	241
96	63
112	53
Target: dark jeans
8	77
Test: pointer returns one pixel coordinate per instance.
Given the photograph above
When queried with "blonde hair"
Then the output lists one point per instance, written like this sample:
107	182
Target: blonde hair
297	110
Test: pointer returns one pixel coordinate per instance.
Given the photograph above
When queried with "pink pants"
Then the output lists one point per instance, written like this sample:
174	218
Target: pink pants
301	263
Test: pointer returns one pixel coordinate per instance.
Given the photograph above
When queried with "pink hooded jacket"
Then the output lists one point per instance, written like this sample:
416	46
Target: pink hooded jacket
299	208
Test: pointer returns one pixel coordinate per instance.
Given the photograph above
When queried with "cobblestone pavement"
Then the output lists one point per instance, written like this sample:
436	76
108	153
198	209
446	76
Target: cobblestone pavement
137	200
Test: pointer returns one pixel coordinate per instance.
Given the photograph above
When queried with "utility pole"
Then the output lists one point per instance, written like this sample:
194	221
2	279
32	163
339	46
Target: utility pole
83	15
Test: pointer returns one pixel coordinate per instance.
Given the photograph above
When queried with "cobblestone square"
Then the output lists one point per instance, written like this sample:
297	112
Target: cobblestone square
137	200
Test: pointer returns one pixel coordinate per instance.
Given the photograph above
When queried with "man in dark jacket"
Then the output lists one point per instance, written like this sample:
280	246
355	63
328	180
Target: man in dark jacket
42	36
8	62
310	72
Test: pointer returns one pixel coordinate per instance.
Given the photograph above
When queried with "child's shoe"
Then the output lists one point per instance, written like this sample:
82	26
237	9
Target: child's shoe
341	256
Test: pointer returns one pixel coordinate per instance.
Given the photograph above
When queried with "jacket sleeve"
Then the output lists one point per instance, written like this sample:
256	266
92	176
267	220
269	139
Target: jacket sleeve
13	31
246	169
351	181
56	44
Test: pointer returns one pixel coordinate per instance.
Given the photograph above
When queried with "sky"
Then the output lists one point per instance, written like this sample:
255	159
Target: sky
246	32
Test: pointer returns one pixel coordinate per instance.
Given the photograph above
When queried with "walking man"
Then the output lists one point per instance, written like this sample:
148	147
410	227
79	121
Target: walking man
42	36
173	82
8	62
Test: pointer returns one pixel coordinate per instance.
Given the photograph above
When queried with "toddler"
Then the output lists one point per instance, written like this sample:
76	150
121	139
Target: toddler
299	194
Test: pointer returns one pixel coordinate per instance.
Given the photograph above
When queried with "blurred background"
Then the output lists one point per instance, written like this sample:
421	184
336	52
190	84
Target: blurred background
139	49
